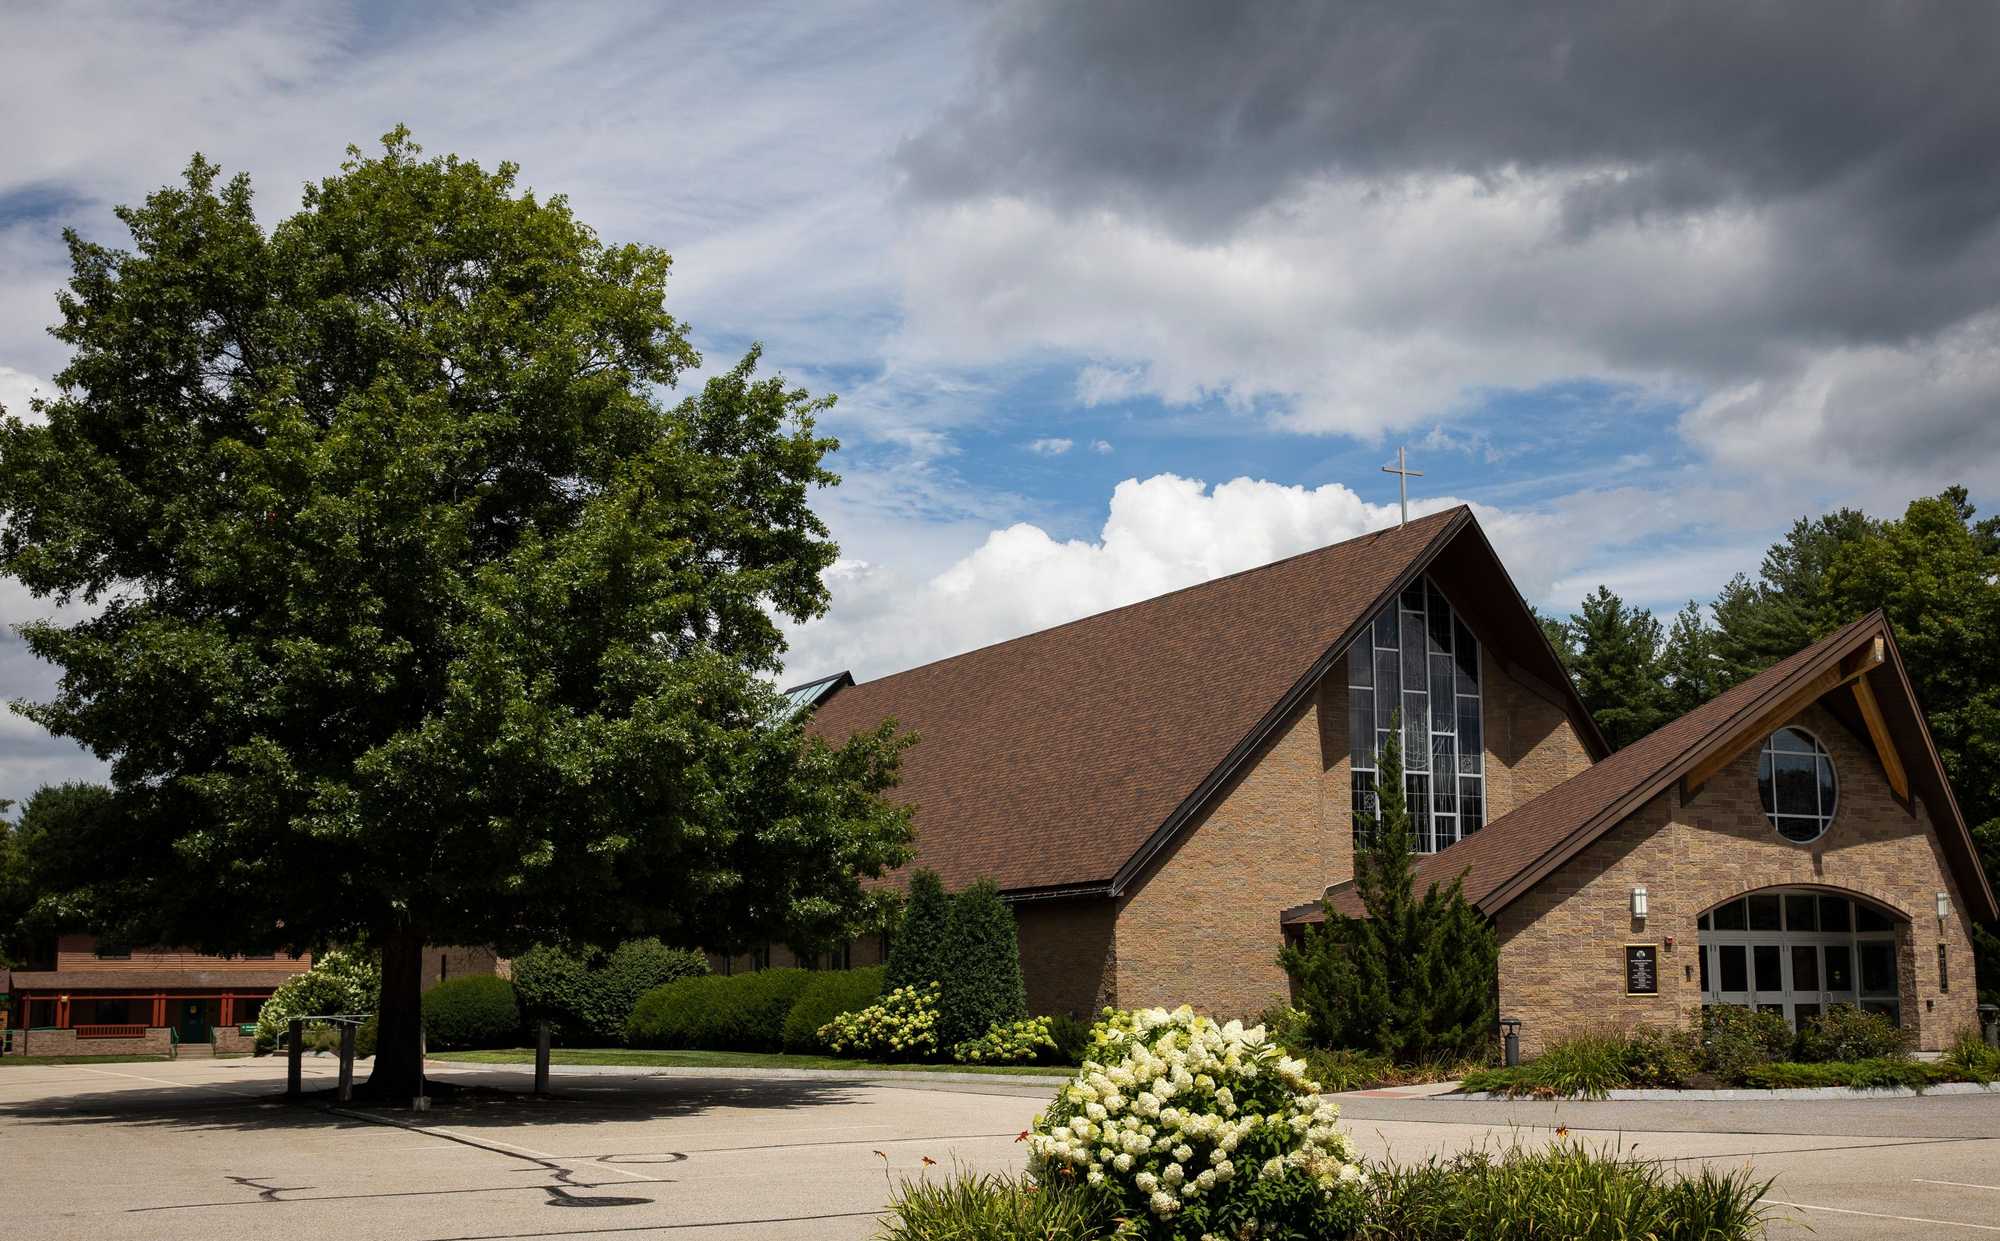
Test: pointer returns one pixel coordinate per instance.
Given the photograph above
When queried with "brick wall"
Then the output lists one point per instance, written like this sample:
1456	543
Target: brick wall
156	1042
1531	746
1562	944
1069	955
453	961
1200	925
79	953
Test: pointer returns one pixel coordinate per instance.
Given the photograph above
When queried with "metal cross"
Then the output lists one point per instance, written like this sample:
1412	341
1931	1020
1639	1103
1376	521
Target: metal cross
1403	478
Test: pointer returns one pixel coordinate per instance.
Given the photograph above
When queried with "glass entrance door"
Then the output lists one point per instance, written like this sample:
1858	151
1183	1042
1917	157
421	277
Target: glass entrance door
1798	953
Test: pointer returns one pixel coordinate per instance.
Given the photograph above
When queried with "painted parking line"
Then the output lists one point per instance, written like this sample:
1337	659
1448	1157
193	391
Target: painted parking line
1907	1219
1956	1184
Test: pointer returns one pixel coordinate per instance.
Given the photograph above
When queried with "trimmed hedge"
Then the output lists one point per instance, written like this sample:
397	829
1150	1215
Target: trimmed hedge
827	996
588	999
464	1014
982	967
744	1012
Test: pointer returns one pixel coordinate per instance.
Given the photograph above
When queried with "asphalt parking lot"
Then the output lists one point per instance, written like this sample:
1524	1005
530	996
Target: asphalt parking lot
201	1148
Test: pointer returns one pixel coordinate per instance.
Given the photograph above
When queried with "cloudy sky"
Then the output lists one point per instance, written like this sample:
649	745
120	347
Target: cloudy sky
1120	296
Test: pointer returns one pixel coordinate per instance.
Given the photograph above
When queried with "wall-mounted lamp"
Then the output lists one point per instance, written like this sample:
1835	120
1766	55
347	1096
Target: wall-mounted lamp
1639	902
1944	906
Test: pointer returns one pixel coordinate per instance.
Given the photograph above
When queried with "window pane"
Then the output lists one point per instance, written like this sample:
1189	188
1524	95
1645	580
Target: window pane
1793	827
1805	967
1796	785
1803	1015
1361	726
1416	734
1360	664
1415	668
1364	803
1442	709
1828	794
1420	811
1471	804
1799	909
1769	967
1465	651
1792	741
1869	918
1878	967
1440	624
1413	596
1735	972
1839	968
1702	956
1888	1008
1763	781
1385	627
1444	763
1832	913
1388	687
1764	912
1730	917
1470	743
1702	922
1444	829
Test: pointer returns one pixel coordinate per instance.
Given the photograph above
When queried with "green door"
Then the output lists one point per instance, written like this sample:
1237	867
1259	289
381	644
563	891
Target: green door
194	1021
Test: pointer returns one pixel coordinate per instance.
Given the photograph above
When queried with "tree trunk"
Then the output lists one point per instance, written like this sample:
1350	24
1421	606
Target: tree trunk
399	1061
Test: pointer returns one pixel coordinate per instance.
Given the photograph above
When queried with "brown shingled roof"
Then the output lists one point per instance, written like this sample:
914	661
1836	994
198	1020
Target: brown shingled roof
1502	861
1055	761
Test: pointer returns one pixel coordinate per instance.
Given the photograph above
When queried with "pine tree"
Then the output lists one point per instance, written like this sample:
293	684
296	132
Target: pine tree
982	967
1415	979
1616	667
917	950
1688	665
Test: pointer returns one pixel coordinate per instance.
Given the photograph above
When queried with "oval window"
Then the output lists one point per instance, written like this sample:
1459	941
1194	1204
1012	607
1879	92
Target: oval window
1795	780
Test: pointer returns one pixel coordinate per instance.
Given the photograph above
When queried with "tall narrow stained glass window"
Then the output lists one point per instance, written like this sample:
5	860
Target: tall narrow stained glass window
1420	659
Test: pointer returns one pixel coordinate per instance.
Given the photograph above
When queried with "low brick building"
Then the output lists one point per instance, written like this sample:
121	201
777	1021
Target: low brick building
1162	790
93	998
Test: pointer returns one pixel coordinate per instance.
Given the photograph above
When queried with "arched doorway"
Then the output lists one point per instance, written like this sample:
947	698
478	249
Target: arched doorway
1798	951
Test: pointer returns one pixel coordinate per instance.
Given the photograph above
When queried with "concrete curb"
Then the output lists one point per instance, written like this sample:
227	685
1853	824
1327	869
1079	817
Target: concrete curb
872	1077
1733	1095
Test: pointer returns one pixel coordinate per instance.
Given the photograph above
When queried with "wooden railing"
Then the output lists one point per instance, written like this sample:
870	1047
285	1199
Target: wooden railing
138	1031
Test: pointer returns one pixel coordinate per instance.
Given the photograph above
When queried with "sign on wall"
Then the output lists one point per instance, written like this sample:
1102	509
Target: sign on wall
1642	973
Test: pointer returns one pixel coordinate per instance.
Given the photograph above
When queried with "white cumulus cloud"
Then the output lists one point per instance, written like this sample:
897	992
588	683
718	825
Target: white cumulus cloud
1051	446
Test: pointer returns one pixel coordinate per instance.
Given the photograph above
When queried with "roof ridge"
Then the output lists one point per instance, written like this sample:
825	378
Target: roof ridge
1177	591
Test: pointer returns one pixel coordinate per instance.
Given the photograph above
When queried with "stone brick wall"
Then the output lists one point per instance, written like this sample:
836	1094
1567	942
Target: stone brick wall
457	961
1562	944
156	1042
1069	955
1531	746
231	1041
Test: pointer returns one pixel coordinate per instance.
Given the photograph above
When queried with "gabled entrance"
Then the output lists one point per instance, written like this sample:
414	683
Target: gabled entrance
1798	952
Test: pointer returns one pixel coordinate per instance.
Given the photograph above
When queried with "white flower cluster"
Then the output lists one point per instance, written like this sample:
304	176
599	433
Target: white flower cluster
1171	1109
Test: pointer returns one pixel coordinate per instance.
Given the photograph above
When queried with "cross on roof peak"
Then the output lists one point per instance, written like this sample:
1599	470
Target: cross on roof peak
1403	476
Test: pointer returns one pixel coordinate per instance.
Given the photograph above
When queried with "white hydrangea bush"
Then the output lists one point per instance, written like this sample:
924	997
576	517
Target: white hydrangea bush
1191	1129
902	1026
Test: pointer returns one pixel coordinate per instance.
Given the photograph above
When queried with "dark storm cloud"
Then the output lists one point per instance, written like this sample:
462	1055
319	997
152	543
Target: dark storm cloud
1199	112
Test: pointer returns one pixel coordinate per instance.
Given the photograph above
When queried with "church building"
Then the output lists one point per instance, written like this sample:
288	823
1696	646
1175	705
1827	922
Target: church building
1165	791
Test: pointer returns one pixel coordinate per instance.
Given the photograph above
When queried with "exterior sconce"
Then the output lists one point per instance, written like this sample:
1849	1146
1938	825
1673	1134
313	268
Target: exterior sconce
1944	906
1639	903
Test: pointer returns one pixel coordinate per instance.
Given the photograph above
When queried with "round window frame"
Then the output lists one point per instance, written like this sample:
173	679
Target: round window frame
1771	815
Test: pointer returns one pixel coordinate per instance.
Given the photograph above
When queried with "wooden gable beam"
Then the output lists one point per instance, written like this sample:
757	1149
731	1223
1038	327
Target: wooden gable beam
1850	669
1878	732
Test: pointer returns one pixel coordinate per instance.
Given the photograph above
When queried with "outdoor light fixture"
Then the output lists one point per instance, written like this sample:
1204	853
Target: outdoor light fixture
1944	906
1639	902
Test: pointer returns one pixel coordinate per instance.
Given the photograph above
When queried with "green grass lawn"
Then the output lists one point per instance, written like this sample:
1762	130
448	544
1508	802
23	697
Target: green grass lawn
726	1060
9	1061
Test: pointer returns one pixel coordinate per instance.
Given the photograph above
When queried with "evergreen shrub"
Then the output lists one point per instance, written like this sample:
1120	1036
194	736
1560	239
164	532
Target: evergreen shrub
742	1012
982	984
827	996
917	950
1415	979
476	1011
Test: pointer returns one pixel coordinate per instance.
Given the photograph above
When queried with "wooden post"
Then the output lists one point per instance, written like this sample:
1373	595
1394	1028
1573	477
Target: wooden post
345	1092
542	1056
295	1055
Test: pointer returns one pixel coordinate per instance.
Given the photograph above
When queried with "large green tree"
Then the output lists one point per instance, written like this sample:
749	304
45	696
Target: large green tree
1416	978
1790	604
421	616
